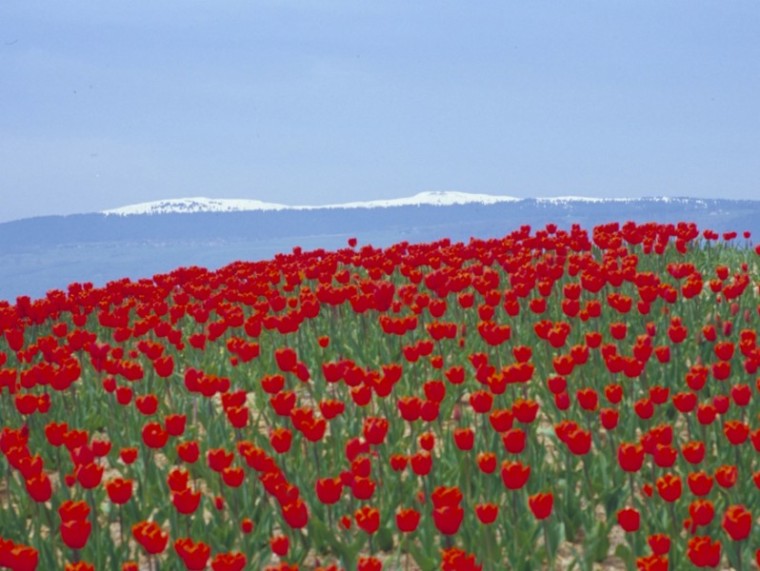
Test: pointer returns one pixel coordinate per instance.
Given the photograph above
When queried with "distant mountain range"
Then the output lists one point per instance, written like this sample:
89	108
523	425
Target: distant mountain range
137	241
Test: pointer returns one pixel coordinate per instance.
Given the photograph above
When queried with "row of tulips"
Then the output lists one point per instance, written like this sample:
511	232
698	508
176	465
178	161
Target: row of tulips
444	405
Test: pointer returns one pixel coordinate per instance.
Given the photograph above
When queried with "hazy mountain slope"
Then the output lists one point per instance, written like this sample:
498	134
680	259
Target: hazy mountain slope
39	254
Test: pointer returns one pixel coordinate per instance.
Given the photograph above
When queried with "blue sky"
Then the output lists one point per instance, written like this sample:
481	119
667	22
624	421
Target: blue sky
110	103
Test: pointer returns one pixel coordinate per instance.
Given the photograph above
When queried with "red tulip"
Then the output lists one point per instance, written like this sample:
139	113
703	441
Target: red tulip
501	419
629	519
54	433
154	436
514	440
702	552
178	479
427	441
556	384
128	455
665	455
737	522
232	561
367	519
100	448
706	413
613	393
218	459
295	513
464	438
421	462
726	476
119	490
361	466
194	555
609	418
18	557
375	429
329	490
369	564
736	431
486	462
188	451
314	429
579	442
669	487
446	496
407	519
279	544
398	462
286	359
693	451
481	401
175	424
541	505
701	512
455	559
741	394
147	404
700	483
281	438
448	518
362	488
487	512
562	401
525	411
39	487
659	543
644	408
514	474
630	456
429	410
71	510
684	402
90	475
233	476
588	398
186	501
75	533
652	563
409	407
434	390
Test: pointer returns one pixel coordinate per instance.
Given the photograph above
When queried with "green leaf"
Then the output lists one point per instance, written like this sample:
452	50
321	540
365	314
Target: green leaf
320	531
598	543
556	533
612	501
384	539
423	561
624	552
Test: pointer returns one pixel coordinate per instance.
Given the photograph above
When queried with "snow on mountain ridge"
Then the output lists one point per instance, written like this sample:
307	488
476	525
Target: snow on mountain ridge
195	204
434	198
430	198
203	204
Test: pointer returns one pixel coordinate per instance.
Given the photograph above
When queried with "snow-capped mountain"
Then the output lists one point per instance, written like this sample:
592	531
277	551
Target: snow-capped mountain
431	198
203	204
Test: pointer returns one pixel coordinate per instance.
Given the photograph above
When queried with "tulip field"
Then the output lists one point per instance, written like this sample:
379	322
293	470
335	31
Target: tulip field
554	399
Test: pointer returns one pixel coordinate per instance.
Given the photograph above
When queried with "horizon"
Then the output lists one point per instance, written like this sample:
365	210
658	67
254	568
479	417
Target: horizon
232	205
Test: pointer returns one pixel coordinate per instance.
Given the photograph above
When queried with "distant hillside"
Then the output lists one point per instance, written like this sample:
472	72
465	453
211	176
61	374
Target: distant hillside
39	254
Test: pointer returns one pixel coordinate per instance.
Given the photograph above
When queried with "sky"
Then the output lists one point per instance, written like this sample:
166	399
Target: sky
104	104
